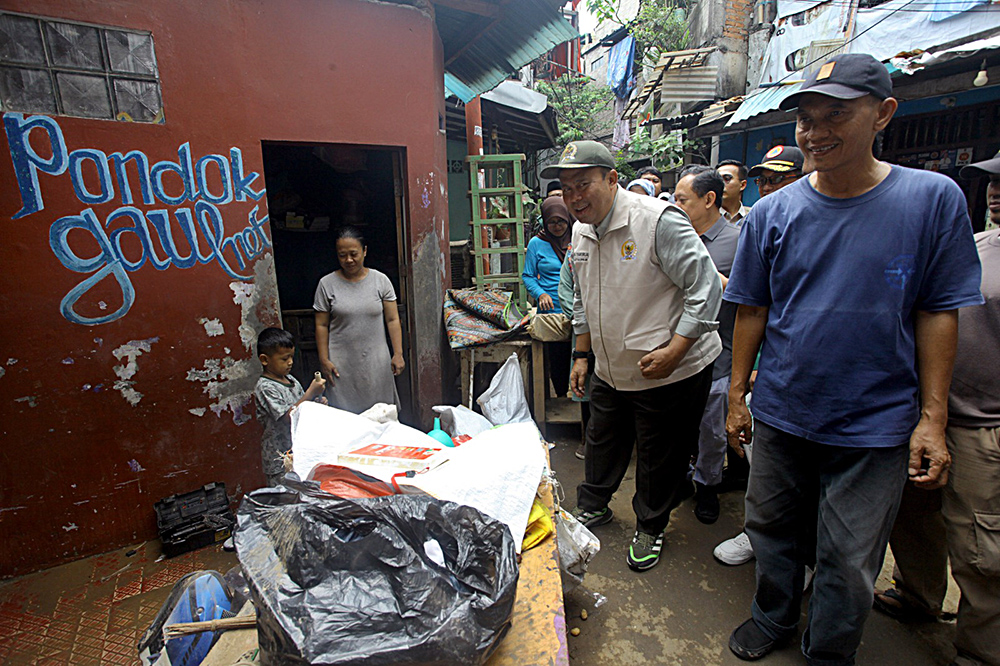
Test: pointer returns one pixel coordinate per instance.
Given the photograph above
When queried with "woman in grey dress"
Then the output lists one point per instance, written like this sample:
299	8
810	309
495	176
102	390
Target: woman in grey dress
351	303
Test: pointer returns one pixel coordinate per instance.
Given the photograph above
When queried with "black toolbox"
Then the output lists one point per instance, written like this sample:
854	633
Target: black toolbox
193	520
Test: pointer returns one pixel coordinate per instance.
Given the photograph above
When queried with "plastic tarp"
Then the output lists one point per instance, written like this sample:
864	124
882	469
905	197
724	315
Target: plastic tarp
497	471
882	31
516	96
929	59
789	7
404	579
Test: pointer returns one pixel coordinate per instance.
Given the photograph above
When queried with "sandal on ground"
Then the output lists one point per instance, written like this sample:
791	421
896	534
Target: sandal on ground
898	607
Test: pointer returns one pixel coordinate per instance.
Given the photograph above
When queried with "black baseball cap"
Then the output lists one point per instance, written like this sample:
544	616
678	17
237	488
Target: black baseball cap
580	155
780	159
986	167
845	76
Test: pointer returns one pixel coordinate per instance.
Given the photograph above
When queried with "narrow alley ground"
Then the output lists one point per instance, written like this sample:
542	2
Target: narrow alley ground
682	611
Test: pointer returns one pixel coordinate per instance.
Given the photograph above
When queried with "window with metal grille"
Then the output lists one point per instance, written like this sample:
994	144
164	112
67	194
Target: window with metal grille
75	69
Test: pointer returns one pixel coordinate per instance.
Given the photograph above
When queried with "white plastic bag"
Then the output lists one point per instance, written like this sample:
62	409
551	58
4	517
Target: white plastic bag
381	412
504	401
461	420
577	547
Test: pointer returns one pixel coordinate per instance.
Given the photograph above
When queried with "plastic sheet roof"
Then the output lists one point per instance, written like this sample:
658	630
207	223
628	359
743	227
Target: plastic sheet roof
481	51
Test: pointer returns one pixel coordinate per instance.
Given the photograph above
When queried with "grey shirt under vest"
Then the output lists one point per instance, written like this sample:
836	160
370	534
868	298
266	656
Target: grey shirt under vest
700	303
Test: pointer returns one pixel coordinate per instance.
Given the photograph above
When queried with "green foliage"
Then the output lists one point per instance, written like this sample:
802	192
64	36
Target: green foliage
578	106
660	26
626	173
666	151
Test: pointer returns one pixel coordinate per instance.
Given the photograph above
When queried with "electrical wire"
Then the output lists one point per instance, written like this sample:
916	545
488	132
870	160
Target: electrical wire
815	60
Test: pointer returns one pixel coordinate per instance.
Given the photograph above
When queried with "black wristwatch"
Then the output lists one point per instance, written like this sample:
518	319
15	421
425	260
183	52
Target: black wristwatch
580	354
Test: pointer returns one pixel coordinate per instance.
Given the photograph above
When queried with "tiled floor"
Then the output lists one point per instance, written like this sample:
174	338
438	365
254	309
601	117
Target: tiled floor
93	611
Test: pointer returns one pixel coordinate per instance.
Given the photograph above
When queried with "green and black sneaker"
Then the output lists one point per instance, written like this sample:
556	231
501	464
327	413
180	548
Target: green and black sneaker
593	518
644	552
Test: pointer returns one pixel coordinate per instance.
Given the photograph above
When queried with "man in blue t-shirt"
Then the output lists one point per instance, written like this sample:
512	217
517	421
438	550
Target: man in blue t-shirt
851	278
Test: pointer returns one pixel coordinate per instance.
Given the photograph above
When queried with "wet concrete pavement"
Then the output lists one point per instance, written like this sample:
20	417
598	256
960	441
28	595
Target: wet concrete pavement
683	610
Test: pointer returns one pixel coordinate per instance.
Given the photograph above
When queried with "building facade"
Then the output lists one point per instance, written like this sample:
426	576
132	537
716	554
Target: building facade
172	175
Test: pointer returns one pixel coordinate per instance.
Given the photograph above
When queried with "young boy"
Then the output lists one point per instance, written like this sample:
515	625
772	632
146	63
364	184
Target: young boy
277	393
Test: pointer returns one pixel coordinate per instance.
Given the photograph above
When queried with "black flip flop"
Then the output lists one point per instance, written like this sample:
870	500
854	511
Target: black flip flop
898	607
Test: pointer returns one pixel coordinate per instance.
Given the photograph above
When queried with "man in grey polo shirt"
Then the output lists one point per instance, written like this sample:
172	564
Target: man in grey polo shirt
699	193
646	300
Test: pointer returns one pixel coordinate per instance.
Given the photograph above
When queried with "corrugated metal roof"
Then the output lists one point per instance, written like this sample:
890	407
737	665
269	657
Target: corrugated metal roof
694	84
762	100
489	50
669	62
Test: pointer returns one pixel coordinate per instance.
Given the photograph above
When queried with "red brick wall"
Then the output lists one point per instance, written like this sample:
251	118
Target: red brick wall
738	17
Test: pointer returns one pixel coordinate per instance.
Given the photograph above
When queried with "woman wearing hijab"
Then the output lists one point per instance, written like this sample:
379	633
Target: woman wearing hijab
542	261
642	186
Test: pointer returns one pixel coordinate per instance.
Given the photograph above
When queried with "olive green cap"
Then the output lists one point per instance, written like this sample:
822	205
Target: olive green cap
580	155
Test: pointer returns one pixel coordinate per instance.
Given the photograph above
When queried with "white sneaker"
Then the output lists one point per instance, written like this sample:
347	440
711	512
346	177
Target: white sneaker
735	551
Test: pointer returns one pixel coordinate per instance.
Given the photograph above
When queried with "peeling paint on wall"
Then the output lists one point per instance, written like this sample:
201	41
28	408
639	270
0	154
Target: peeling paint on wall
70	527
68	361
228	381
131	350
135	466
213	367
213	327
32	400
3	371
11	361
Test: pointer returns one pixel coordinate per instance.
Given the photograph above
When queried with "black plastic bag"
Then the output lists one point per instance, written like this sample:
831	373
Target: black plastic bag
404	579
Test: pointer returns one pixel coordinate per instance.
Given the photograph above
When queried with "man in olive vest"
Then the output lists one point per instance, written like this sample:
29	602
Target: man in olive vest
646	302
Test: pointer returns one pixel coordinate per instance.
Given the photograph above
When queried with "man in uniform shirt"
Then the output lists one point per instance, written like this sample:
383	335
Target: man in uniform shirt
782	166
646	300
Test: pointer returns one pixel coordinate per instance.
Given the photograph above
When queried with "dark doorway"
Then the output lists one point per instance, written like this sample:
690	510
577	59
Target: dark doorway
312	191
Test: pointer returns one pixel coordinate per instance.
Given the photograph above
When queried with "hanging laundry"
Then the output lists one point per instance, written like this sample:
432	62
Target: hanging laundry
621	136
620	61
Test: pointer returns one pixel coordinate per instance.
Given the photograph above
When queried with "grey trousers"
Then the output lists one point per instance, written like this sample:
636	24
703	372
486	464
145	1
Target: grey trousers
712	442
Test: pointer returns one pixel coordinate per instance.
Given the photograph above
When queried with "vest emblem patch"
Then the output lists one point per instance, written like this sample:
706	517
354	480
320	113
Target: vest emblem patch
629	250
